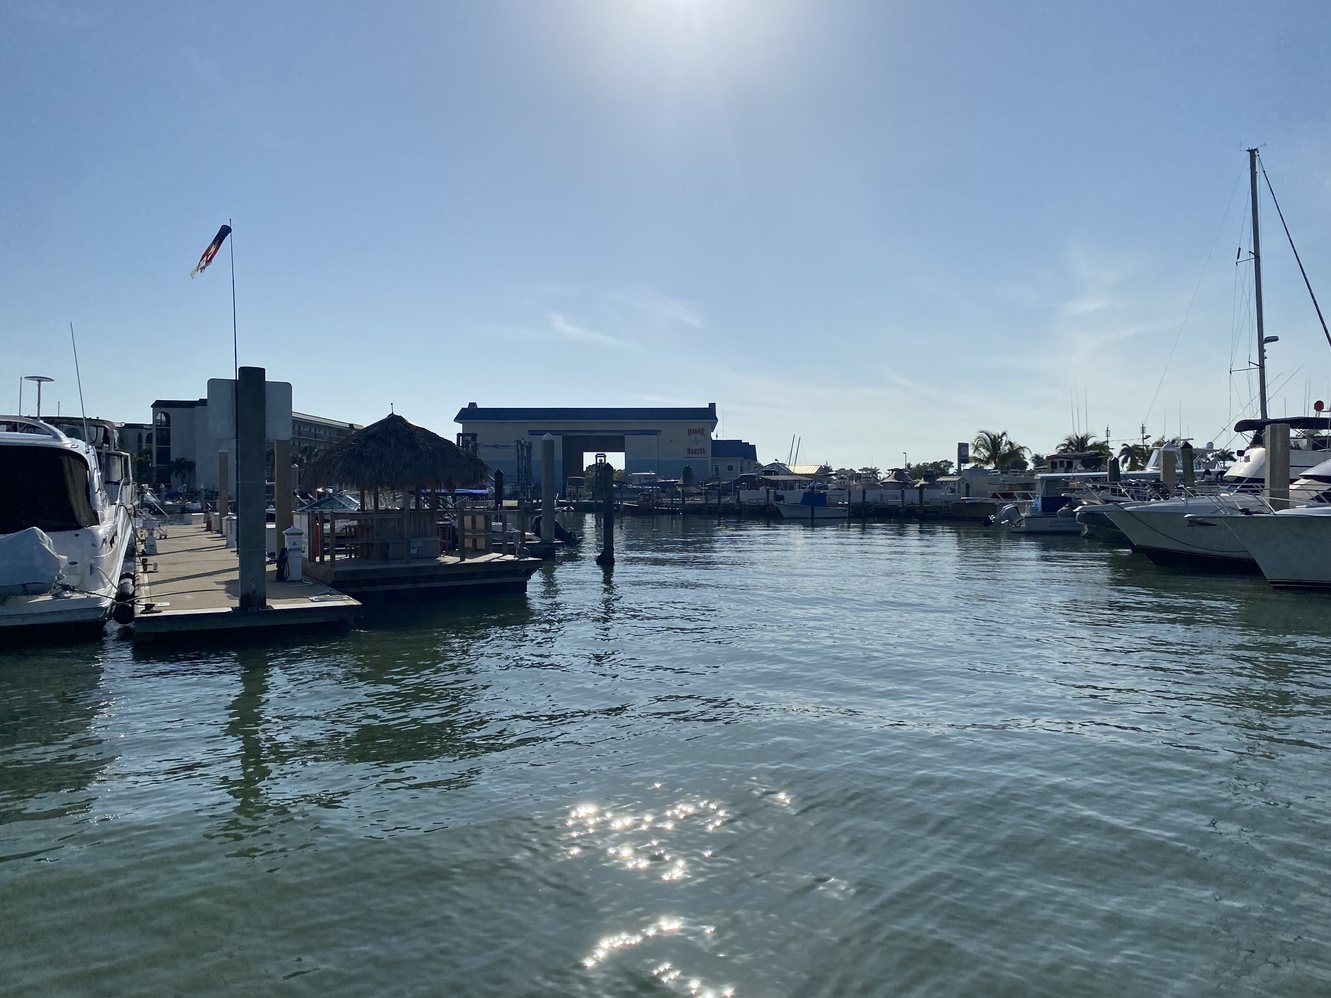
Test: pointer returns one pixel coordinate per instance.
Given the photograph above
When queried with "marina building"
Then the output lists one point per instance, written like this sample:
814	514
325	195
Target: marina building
185	453
661	441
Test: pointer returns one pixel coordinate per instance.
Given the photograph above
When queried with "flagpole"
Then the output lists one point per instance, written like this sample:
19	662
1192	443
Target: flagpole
235	348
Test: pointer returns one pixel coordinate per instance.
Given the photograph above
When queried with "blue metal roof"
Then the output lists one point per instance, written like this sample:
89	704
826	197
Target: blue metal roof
734	448
684	414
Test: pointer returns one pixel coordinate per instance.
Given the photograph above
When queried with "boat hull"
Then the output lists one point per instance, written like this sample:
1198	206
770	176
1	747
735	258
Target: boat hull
1292	551
1184	534
1044	525
796	511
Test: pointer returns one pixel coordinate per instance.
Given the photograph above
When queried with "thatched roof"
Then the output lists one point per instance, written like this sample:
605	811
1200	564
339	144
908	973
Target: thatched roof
395	454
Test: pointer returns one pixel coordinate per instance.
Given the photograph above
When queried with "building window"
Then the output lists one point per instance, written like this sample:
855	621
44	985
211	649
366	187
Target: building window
162	439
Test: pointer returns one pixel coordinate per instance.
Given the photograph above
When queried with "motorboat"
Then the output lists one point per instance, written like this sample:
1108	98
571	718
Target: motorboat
1185	531
1190	530
1053	506
66	532
811	506
1292	547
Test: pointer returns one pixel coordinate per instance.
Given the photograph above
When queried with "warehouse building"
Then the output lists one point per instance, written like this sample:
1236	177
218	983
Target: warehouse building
660	441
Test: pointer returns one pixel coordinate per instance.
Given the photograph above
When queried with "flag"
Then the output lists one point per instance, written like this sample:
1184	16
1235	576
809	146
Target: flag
212	249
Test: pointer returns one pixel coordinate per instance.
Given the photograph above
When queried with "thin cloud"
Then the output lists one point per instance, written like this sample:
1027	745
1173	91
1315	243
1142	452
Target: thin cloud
580	334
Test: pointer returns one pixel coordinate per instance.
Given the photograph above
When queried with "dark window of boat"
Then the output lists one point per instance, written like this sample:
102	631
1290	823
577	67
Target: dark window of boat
44	488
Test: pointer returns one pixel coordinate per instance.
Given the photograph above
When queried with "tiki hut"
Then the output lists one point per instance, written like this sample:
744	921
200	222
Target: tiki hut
398	456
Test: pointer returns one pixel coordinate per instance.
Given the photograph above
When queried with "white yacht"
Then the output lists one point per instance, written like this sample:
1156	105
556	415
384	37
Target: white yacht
1291	546
65	532
1309	446
1187	531
1190	530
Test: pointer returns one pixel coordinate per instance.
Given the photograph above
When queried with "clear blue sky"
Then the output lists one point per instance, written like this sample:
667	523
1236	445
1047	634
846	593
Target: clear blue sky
877	226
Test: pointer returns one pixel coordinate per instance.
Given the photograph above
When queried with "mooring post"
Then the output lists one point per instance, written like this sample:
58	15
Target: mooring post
605	483
251	405
547	539
282	489
223	498
1277	465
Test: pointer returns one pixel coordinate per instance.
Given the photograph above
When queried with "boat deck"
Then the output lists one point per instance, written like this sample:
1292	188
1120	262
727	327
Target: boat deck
195	589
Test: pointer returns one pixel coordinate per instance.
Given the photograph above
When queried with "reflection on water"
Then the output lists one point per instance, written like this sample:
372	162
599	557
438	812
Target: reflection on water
50	755
757	758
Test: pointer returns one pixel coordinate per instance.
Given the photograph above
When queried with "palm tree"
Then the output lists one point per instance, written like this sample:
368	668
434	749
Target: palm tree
996	450
182	468
1134	456
1075	443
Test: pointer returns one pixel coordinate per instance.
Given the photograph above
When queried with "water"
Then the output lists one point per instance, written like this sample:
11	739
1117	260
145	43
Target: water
759	760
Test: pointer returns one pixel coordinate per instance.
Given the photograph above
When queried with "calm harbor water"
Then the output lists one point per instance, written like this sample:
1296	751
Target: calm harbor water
759	759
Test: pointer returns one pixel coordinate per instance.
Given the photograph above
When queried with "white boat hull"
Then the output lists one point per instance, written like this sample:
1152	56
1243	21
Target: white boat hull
1293	550
1045	525
796	511
1186	533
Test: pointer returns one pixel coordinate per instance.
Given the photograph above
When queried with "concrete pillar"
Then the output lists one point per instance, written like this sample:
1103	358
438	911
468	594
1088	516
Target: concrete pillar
547	489
1187	460
1168	466
251	404
281	486
223	491
1277	465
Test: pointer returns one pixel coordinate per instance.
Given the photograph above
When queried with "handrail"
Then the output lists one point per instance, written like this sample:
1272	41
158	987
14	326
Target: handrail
27	424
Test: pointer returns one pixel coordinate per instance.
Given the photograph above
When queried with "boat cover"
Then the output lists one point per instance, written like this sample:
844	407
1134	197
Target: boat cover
29	563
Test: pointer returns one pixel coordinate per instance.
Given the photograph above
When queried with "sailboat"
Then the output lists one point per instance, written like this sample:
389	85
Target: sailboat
1188	530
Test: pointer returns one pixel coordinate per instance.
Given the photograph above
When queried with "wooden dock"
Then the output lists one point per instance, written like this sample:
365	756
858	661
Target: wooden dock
194	591
488	574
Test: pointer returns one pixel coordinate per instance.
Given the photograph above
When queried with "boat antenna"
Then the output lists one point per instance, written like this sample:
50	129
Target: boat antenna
1257	280
1306	282
78	376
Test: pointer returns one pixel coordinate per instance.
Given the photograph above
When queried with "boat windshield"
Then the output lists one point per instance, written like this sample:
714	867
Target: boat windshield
44	487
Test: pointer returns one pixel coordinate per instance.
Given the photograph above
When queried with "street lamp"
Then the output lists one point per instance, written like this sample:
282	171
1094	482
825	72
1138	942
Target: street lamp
41	379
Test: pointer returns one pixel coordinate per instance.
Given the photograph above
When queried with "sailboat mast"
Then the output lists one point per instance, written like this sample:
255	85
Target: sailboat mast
1257	281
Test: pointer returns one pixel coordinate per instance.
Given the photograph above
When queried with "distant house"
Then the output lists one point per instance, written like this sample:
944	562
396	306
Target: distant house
1091	460
732	458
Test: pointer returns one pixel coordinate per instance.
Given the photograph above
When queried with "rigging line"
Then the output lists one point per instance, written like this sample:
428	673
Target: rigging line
1188	311
79	375
1306	282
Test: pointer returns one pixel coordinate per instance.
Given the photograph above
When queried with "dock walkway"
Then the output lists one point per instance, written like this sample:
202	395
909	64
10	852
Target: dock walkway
194	590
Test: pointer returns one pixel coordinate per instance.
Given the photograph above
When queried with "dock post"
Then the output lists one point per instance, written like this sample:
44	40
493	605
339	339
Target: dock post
545	544
251	417
1277	465
282	488
605	485
223	495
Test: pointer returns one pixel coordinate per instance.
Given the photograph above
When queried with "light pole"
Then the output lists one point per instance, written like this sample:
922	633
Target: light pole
41	379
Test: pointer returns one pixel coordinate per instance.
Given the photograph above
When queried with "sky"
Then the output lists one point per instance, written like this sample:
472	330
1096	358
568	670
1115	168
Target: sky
874	228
